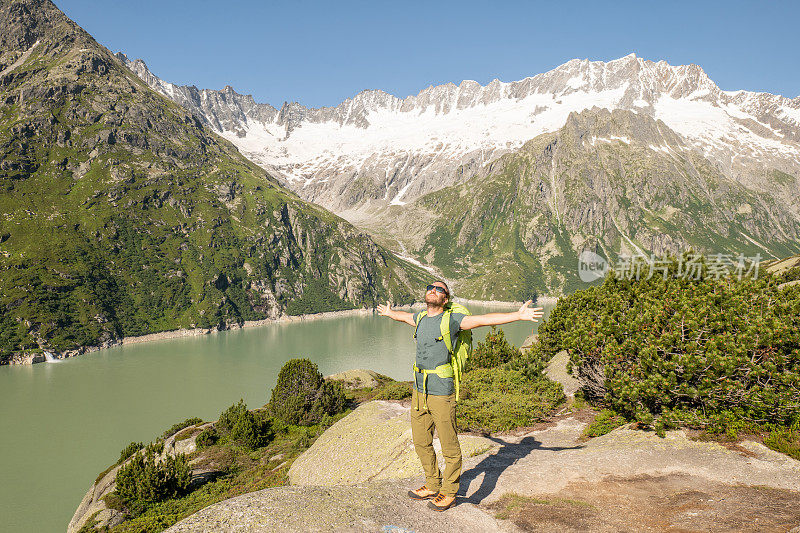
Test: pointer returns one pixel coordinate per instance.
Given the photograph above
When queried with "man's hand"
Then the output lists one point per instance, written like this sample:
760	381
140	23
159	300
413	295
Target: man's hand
496	319
528	313
400	316
385	310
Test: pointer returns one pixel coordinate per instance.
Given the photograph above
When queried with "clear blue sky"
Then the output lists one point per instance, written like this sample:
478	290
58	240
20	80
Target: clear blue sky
319	53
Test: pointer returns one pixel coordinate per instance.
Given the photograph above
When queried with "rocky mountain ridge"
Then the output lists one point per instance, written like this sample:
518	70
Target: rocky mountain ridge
124	215
613	182
376	149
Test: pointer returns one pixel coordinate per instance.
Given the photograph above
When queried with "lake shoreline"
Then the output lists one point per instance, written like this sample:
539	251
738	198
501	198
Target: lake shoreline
35	358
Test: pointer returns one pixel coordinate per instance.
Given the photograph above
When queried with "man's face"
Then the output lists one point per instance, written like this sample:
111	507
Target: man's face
436	297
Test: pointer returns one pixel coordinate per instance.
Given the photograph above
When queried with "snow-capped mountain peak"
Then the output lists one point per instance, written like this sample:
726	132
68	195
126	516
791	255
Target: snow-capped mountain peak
376	149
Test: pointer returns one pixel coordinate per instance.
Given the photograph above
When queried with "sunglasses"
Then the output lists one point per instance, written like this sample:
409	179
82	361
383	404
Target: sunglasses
436	288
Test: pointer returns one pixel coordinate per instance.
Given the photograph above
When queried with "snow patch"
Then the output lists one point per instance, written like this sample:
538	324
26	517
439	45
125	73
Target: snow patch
698	94
397	199
609	139
503	124
660	148
790	113
21	60
714	125
576	82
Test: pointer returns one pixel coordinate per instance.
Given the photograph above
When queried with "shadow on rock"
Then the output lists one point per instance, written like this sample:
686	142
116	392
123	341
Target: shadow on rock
494	465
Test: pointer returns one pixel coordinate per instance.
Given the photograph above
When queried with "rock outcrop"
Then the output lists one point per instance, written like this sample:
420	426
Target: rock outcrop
371	443
93	508
545	463
380	506
557	371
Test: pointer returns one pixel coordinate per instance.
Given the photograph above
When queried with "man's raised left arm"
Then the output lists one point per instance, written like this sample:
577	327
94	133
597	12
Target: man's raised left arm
495	319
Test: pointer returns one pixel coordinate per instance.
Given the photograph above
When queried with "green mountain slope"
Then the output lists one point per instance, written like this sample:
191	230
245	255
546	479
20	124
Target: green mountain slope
606	182
122	215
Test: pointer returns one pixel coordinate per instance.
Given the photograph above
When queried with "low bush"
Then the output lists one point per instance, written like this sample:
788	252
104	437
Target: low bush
792	274
331	400
181	425
301	395
493	351
244	428
230	416
499	399
147	478
709	353
113	501
207	437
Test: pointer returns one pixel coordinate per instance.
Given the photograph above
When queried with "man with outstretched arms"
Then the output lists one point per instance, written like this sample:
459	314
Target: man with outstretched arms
433	399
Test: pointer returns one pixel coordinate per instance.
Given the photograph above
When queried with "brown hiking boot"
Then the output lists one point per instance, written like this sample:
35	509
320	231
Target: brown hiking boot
442	502
422	493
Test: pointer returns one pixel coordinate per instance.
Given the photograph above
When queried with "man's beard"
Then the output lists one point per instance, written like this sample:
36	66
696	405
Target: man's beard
434	299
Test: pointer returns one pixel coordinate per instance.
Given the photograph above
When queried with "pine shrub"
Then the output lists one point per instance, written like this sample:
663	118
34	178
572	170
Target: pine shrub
494	351
207	437
792	274
129	450
148	478
500	399
708	353
238	426
302	396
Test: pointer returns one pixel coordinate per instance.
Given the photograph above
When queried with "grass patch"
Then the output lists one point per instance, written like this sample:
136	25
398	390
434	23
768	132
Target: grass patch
89	525
511	502
186	434
480	451
102	474
604	422
579	401
395	390
785	441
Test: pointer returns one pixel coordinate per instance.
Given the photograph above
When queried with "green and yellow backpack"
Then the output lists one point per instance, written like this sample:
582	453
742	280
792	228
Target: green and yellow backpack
459	353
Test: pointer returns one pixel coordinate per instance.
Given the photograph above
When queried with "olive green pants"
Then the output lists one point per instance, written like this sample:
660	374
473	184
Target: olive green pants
441	415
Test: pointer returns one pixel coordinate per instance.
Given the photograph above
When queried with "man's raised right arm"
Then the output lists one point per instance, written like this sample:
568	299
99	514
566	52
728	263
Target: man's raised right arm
400	316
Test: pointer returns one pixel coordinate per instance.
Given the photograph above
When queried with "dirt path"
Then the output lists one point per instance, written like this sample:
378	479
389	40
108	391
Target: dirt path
671	502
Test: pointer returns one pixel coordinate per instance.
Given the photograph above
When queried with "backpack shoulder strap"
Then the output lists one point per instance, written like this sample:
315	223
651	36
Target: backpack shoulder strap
420	316
445	328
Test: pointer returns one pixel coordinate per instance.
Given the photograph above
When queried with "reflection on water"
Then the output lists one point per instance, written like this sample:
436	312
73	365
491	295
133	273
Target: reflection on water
61	424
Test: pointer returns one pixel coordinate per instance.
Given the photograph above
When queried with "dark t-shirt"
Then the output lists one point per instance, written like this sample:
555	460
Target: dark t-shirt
432	353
